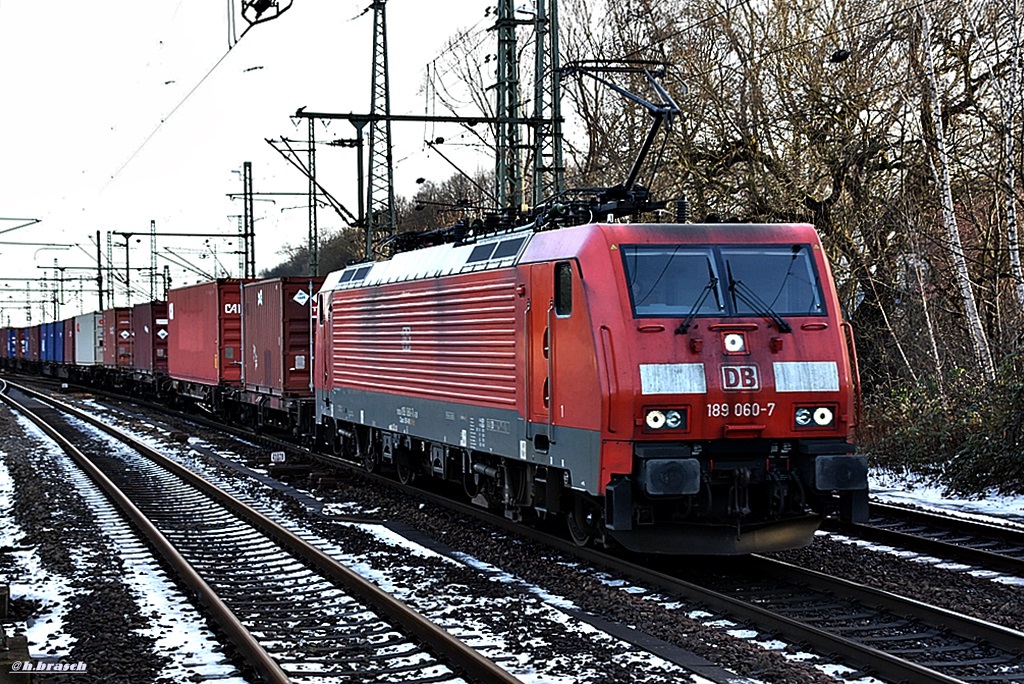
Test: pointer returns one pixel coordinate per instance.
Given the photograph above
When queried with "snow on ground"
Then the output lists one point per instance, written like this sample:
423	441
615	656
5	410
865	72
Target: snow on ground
179	631
399	571
53	593
889	487
906	488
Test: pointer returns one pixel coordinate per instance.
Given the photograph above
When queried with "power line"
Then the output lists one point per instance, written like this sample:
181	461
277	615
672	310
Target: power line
165	120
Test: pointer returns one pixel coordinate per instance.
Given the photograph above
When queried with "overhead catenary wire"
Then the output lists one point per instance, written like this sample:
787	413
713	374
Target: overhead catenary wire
164	120
233	40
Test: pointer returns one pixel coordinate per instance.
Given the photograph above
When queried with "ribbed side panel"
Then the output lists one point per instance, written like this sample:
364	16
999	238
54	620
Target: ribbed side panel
35	336
149	330
205	332
118	343
448	339
69	340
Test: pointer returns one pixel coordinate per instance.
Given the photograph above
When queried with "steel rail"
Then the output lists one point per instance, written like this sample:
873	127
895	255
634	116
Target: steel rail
982	558
472	663
933	616
885	665
1005	534
922	543
236	632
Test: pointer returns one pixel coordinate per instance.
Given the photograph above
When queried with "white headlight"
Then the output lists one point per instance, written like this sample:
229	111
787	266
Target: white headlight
655	420
673	419
735	343
803	417
823	416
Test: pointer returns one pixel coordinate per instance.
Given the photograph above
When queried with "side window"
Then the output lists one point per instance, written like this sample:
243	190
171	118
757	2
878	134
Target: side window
563	288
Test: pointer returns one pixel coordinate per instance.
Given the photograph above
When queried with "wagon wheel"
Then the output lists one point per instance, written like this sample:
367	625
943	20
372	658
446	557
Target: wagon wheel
578	521
371	462
404	466
370	457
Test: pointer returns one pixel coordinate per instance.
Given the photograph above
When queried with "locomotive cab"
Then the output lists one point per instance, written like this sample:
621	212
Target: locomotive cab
743	398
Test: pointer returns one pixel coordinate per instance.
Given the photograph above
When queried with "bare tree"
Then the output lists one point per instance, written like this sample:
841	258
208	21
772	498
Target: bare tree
941	164
1001	52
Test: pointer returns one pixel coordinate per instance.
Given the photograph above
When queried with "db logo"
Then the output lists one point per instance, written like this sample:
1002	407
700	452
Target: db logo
740	378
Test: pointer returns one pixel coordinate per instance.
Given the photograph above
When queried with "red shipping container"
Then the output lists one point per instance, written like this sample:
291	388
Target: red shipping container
276	335
149	328
69	341
205	332
34	342
118	344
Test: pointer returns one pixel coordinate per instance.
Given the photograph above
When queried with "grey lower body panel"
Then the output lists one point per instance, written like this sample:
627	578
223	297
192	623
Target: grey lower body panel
501	432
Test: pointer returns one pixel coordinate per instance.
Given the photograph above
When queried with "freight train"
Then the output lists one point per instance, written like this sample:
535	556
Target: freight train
670	388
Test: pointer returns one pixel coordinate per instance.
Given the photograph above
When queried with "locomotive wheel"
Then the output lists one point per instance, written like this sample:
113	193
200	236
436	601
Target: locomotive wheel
581	531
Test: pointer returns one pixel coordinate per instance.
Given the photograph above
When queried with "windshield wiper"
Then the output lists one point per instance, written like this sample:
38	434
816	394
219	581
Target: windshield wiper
712	286
742	291
684	327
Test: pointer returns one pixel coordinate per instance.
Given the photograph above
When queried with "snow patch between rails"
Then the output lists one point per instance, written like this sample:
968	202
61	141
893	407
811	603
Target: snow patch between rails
179	632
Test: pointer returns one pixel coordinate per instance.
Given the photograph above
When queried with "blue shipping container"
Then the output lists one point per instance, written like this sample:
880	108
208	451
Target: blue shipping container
52	342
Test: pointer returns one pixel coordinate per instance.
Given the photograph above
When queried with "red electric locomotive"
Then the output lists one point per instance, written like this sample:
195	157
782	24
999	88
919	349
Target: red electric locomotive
676	388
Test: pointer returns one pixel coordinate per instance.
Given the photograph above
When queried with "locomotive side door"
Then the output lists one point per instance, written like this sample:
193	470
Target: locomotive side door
538	340
550	302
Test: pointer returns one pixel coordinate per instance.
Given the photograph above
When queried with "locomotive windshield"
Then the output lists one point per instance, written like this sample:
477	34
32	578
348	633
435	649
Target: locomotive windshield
688	281
667	280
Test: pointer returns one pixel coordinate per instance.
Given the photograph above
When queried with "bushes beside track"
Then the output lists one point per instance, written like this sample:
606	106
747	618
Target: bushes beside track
968	439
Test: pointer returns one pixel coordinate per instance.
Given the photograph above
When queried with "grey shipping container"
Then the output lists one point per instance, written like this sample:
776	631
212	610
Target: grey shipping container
89	339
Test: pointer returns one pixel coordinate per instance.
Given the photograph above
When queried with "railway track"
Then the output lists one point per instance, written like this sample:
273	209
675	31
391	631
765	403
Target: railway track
893	638
879	633
897	637
292	612
985	545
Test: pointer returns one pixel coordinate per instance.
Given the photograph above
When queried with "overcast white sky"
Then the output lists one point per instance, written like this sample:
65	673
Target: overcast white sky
83	85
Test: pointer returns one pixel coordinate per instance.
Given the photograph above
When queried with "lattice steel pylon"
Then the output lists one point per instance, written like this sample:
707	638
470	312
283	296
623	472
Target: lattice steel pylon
250	222
314	231
380	187
508	178
548	166
152	261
